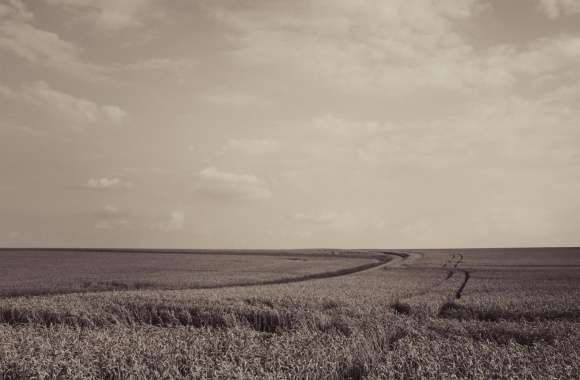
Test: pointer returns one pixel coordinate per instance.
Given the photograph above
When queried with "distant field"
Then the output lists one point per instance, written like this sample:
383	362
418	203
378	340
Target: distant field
499	257
35	272
431	314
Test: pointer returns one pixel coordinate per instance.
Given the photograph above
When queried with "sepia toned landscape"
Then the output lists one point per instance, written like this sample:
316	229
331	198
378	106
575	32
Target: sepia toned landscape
289	189
319	314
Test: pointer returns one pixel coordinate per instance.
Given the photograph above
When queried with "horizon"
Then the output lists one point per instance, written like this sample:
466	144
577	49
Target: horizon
177	250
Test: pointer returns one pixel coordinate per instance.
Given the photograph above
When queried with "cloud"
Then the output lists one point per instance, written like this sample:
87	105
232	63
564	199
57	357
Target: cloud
361	44
38	46
112	217
250	146
344	222
14	9
334	125
20	129
541	57
106	183
113	211
76	110
178	65
114	224
178	69
324	218
236	100
175	221
219	184
389	47
508	132
115	114
14	235
557	8
108	14
35	45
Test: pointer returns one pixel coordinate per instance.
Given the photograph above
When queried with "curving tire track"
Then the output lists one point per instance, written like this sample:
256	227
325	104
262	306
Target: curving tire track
459	291
390	259
451	264
459	259
396	261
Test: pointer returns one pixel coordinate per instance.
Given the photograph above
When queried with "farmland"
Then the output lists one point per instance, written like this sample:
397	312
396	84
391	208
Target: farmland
293	314
30	272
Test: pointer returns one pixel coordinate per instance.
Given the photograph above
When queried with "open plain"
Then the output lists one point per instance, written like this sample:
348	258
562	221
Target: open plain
248	189
335	314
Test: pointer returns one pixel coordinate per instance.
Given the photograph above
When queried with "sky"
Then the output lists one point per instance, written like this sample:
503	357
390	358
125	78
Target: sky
289	124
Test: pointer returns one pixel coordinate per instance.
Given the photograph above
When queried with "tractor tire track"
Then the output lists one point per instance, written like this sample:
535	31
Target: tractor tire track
459	257
459	291
401	306
448	276
453	260
390	259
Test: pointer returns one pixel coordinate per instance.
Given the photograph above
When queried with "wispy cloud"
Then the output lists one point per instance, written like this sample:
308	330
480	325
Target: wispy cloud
114	224
77	111
175	221
360	44
114	114
107	183
220	184
108	14
250	146
558	8
40	47
112	217
378	46
236	99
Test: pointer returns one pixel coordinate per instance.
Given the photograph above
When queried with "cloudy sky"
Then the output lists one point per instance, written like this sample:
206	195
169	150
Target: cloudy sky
278	123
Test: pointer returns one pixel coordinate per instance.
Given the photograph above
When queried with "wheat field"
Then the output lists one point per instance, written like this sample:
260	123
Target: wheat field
405	315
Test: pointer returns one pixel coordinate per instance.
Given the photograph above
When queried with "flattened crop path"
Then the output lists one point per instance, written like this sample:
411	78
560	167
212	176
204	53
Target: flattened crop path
381	260
396	260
